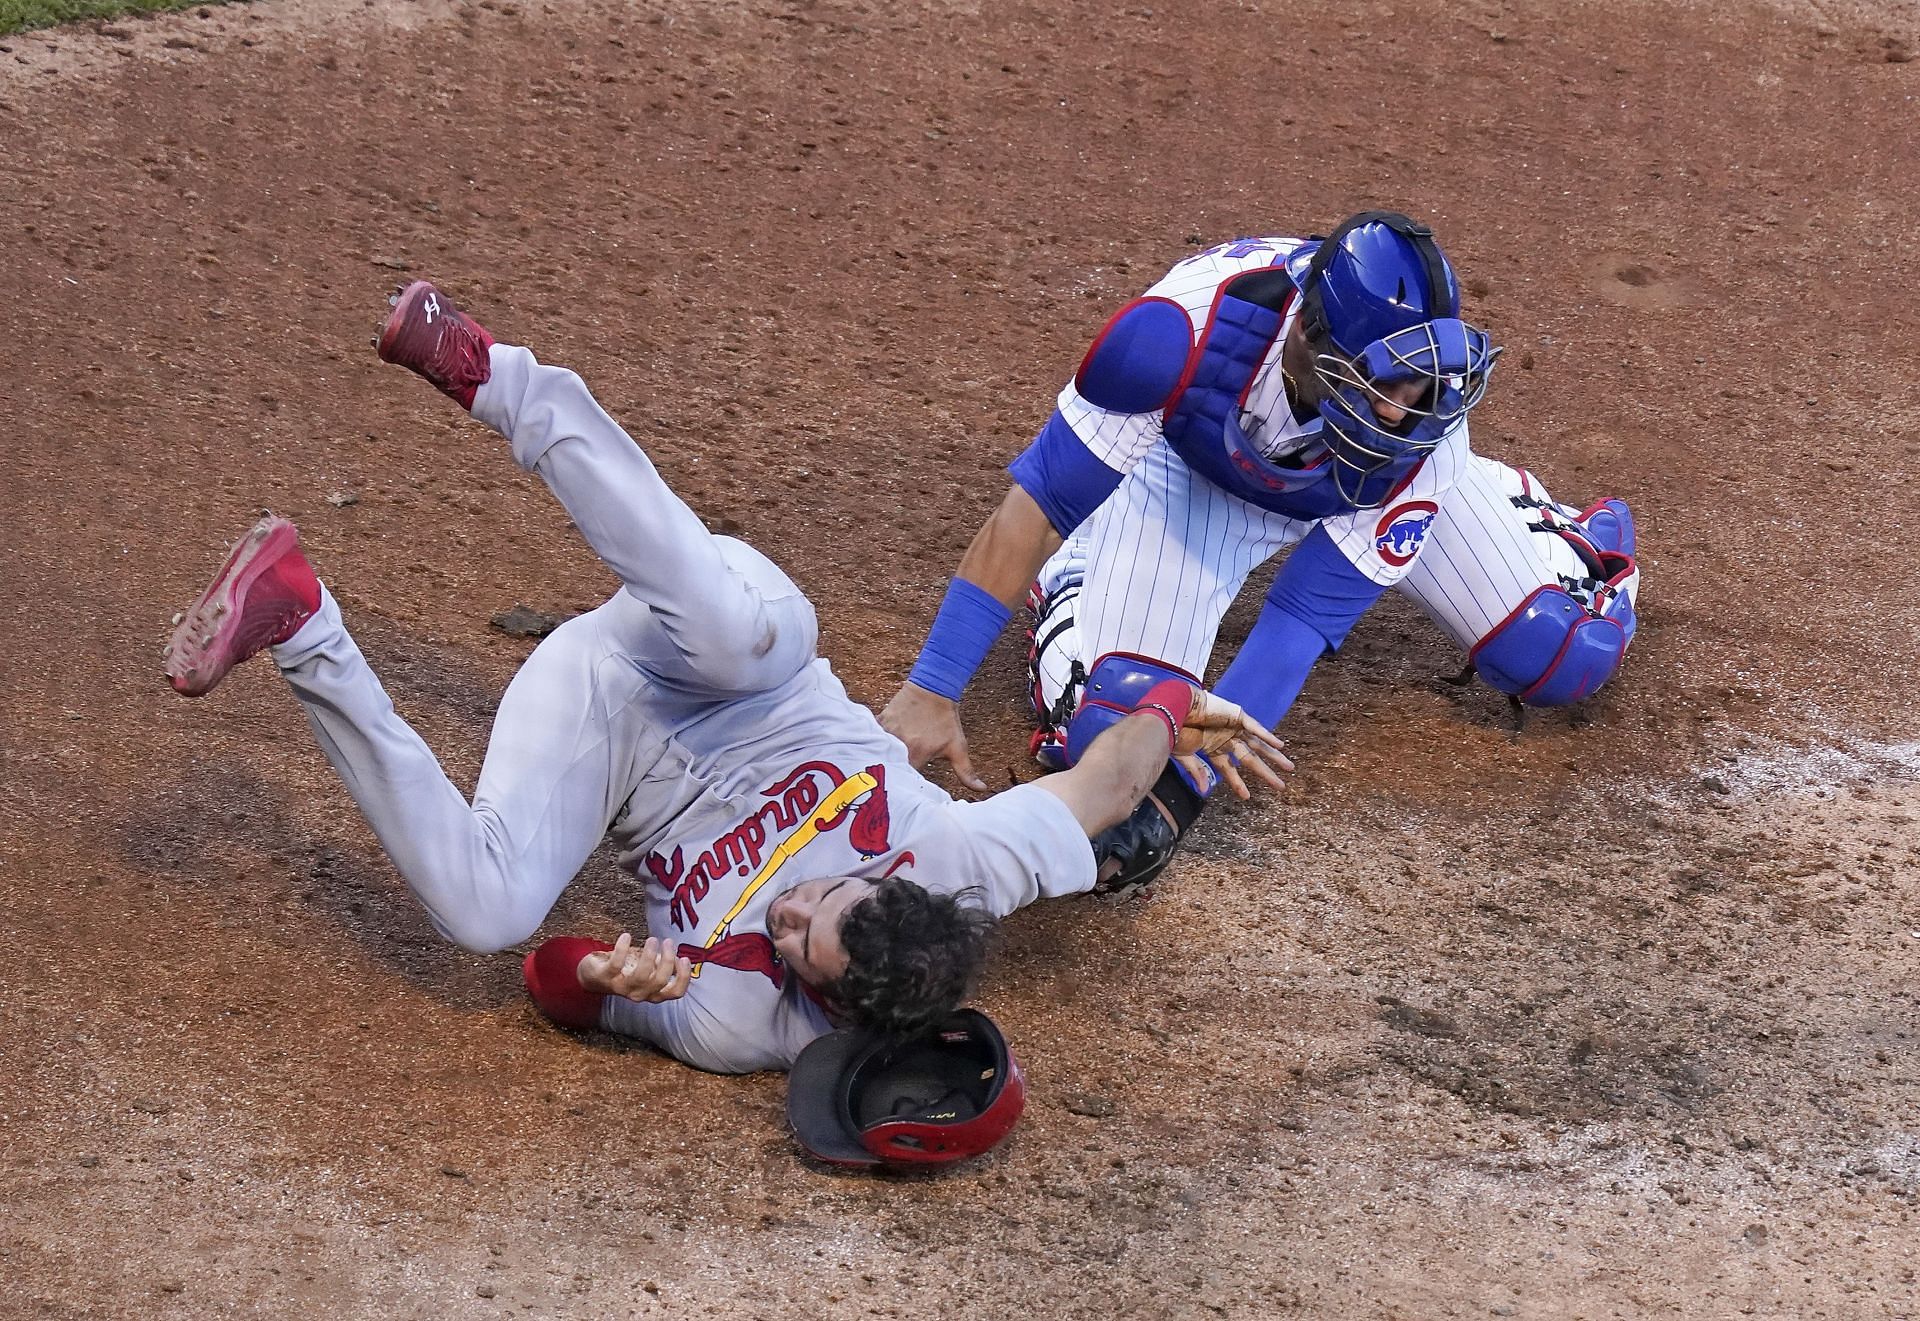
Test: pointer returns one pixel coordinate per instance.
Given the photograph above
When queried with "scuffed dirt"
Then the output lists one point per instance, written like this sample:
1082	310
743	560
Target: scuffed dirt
1612	1016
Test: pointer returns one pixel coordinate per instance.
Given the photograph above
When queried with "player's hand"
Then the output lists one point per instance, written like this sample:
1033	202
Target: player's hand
929	725
648	973
1221	739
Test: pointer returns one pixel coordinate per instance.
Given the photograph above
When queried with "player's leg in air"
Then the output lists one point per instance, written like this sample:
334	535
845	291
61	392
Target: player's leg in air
700	619
1540	595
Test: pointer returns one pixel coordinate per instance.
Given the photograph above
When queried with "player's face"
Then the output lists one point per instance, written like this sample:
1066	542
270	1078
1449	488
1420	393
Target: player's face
805	926
1390	401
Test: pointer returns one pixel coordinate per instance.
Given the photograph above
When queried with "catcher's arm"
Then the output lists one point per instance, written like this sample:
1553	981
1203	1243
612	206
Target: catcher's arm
1008	550
1173	718
993	575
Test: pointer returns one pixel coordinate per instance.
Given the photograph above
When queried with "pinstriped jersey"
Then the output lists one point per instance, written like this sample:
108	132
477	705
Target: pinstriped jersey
1382	543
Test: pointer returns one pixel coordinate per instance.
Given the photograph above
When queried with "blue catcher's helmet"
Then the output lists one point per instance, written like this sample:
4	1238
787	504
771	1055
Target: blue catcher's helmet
1380	309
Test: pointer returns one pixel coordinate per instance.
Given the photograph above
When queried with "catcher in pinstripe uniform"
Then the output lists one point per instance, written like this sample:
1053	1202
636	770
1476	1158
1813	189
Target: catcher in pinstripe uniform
1271	393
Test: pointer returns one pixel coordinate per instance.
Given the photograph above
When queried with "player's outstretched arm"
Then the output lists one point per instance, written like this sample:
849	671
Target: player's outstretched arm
993	575
1008	550
1115	771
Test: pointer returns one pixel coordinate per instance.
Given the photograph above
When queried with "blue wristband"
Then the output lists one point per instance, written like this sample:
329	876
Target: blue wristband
963	632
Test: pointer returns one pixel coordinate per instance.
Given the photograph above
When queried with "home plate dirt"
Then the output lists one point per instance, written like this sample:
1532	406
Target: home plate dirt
1612	1015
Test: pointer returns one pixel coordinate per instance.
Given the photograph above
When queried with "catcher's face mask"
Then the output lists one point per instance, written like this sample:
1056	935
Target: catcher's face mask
1399	396
1392	366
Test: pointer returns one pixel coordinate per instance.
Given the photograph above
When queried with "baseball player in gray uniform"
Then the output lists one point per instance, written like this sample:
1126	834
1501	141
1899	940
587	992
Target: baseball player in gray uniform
797	869
1272	393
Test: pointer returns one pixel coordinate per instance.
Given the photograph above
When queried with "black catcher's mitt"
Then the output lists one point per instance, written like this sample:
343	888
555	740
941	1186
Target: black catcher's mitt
1131	855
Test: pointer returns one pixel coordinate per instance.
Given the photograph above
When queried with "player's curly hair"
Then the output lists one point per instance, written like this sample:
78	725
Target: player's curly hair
912	956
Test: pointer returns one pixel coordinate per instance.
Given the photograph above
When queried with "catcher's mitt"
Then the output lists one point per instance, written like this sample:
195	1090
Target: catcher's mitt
1131	855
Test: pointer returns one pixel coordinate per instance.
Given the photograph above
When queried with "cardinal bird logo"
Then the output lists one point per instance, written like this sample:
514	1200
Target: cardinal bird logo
871	818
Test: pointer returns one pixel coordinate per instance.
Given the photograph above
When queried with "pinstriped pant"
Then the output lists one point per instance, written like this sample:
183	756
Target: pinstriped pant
1158	564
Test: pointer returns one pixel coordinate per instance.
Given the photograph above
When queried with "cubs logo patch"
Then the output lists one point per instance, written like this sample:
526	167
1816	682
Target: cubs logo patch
1401	529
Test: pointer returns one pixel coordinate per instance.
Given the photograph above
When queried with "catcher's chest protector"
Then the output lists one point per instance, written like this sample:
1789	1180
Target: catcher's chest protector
1203	419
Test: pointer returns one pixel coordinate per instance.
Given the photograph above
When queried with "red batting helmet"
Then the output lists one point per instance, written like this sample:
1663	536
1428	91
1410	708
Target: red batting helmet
953	1091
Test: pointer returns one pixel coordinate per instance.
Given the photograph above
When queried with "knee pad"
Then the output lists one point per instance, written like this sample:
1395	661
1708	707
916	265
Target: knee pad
1609	525
1132	855
1115	685
1554	651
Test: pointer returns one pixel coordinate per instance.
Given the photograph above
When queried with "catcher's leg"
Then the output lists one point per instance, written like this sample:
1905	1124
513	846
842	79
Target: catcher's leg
1151	574
571	741
1539	594
1159	564
1166	555
1056	674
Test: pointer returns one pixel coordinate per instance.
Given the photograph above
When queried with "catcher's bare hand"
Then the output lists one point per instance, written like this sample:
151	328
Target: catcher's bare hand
648	973
929	725
1220	737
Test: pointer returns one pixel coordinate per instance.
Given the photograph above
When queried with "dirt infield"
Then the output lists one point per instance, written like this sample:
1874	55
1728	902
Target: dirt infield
1611	1017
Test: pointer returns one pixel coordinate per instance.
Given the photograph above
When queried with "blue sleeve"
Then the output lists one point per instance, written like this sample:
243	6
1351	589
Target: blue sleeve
1314	602
1321	587
1063	476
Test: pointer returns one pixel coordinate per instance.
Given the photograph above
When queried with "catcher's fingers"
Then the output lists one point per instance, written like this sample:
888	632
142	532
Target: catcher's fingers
929	725
1224	764
1262	761
963	764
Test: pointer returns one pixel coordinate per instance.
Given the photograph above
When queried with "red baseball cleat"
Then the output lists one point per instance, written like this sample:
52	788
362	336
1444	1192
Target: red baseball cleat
427	334
262	595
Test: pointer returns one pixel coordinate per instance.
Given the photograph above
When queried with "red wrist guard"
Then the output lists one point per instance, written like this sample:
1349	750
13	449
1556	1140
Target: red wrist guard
1171	700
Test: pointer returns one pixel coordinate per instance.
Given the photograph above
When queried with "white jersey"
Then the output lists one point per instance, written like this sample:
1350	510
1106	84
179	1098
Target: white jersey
691	716
1154	568
798	784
